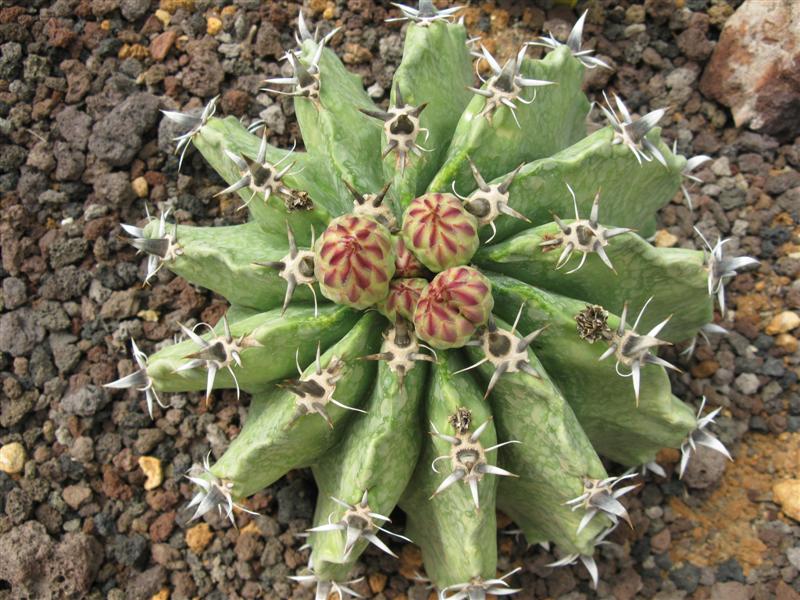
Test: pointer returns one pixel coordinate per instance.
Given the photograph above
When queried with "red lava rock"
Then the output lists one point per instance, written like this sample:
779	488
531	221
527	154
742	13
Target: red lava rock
754	68
162	527
627	585
79	80
99	227
35	567
59	36
204	75
784	592
161	500
660	542
113	486
235	102
161	44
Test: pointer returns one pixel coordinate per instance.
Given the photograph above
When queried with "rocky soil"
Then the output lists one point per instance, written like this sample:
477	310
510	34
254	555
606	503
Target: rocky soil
91	490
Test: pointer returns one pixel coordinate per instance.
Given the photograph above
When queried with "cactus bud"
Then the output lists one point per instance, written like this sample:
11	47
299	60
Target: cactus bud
452	307
406	264
354	261
402	299
439	231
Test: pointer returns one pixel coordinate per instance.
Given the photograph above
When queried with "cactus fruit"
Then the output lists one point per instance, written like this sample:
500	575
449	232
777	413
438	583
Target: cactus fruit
409	333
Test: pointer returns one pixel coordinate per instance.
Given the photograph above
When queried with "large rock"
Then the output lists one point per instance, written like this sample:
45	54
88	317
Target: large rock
755	67
117	137
35	566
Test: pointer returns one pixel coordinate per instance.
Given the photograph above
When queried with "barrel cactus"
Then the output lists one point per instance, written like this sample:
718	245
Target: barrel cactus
453	279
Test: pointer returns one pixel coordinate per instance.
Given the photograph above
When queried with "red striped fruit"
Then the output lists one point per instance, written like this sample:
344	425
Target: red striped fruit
354	261
440	232
452	307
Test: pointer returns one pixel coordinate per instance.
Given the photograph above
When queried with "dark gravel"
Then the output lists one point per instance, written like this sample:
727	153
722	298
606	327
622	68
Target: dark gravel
83	148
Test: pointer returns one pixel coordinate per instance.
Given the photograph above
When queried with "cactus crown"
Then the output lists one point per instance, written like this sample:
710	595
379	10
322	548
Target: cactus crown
381	247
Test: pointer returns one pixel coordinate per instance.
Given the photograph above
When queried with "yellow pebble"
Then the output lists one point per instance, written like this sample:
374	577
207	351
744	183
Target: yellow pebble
163	16
213	26
152	468
149	315
783	322
198	537
12	458
664	239
162	595
140	187
787	494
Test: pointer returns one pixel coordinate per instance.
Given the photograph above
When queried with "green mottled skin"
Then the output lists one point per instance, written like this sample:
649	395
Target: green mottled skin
603	401
457	541
273	441
222	259
272	215
534	412
630	193
377	453
437	69
675	278
297	328
555	120
336	132
307	175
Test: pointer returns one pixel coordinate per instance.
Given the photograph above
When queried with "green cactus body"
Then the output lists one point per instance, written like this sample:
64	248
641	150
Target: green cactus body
458	541
228	134
630	193
675	278
377	455
436	69
224	260
618	429
361	232
557	115
275	438
534	412
261	365
334	129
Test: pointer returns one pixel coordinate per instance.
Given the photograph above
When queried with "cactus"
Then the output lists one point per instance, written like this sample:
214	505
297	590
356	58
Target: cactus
392	298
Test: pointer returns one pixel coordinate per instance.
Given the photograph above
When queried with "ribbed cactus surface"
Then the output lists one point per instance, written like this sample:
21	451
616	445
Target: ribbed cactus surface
448	305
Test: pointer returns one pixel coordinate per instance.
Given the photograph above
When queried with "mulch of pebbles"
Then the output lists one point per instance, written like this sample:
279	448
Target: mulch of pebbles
92	503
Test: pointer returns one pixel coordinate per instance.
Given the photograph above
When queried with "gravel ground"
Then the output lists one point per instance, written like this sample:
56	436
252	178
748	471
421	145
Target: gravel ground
93	506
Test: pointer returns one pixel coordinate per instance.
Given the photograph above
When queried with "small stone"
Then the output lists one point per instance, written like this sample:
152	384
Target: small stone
664	239
76	495
84	401
163	16
198	537
730	590
140	187
635	14
161	595
705	369
793	554
783	322
12	458
213	26
134	9
660	542
686	577
152	469
377	582
787	494
747	383
274	118
705	468
161	44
